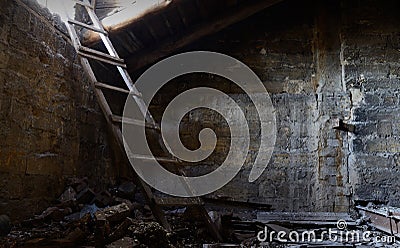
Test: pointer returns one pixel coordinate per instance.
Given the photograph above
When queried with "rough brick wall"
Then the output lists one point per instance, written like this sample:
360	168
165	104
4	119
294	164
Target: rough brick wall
371	53
308	57
319	63
279	45
51	126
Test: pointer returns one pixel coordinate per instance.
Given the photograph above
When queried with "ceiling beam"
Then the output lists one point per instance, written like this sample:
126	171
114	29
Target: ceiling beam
92	38
164	48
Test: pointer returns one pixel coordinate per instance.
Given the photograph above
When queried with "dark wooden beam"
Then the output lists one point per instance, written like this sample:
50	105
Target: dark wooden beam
92	38
167	47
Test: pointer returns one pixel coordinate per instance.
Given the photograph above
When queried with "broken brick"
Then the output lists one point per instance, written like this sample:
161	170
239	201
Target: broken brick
68	195
54	214
114	213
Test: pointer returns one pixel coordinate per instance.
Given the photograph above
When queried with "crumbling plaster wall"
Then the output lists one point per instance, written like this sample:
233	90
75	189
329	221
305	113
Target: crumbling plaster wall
320	62
51	126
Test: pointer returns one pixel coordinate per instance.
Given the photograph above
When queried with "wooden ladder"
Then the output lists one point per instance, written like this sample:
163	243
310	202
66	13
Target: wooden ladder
156	203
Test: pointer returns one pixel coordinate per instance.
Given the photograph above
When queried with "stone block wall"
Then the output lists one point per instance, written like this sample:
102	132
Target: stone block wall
51	125
320	62
279	45
371	53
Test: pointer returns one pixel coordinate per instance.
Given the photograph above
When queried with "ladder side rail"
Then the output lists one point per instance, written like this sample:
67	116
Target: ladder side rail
123	72
107	42
156	209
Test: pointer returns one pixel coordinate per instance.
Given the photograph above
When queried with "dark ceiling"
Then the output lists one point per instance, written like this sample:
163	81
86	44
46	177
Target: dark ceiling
161	32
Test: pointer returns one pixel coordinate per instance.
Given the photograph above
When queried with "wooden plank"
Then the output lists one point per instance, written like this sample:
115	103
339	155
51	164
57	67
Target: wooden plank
306	223
304	216
176	201
382	219
81	24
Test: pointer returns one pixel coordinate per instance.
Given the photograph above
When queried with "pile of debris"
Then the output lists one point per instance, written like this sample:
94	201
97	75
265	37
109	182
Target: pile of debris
118	217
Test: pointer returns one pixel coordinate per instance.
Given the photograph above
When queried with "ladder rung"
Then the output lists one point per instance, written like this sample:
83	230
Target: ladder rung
97	55
151	158
121	119
110	87
101	54
83	3
98	30
90	56
175	201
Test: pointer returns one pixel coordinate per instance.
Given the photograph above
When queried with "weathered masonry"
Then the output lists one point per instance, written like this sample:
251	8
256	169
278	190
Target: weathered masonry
336	60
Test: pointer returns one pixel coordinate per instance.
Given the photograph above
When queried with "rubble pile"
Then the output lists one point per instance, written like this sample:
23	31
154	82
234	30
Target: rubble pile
119	217
115	218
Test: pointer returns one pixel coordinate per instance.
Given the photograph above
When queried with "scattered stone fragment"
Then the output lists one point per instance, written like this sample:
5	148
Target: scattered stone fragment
114	213
54	214
132	205
68	195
